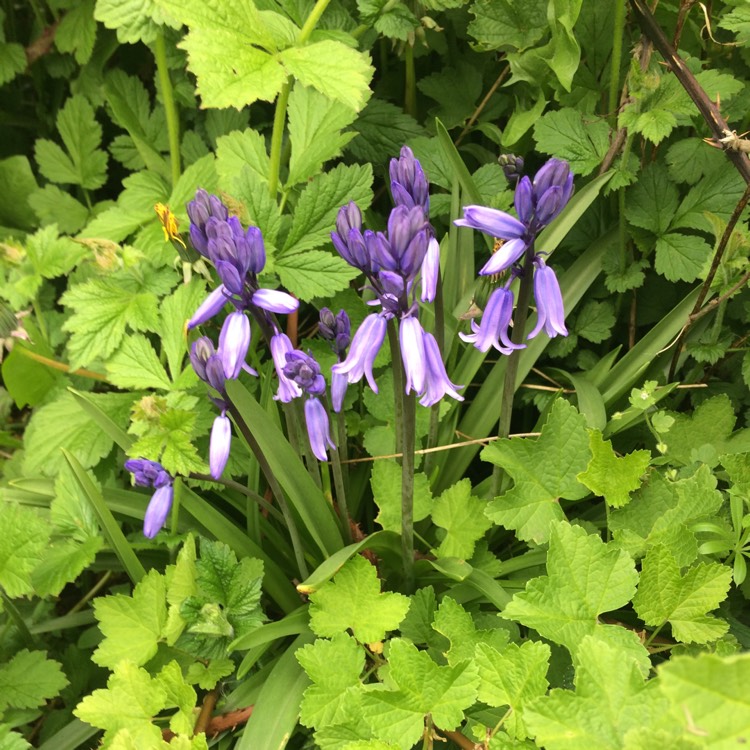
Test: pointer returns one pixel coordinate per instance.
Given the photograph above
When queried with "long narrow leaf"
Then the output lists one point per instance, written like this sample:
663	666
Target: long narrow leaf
109	427
305	497
110	527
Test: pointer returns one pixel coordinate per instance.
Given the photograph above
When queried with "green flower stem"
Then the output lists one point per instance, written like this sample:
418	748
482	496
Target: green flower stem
61	366
312	21
511	370
237	487
18	621
614	73
432	434
398	380
174	516
276	490
170	108
408	423
410	82
340	485
277	137
325	474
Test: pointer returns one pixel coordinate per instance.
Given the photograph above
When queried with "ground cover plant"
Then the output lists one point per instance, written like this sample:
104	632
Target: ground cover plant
375	374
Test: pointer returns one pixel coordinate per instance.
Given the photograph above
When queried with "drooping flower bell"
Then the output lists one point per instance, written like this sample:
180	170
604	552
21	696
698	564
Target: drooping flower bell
152	474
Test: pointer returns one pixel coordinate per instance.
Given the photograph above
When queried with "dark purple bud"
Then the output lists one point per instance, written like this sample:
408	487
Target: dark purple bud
379	252
414	254
409	185
215	373
305	372
348	217
512	166
230	276
200	352
524	201
549	205
553	172
335	329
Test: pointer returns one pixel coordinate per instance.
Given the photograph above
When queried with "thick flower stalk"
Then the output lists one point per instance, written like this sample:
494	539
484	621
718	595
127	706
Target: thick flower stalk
152	474
395	263
537	203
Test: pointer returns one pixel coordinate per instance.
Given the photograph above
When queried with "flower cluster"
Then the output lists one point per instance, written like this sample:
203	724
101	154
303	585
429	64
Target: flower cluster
393	262
239	256
336	329
537	203
152	474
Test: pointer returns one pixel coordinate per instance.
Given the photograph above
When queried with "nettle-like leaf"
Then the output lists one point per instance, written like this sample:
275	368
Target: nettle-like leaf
420	687
382	129
611	699
385	481
132	625
544	470
503	24
665	595
457	625
239	149
83	162
662	512
462	517
566	135
595	320
334	667
12	56
136	365
585	578
512	677
133	20
25	535
174	311
610	476
353	601
77	31
29	679
711	693
653	201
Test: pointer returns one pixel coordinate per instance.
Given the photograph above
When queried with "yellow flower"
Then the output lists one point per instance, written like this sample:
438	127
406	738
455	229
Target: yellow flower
168	223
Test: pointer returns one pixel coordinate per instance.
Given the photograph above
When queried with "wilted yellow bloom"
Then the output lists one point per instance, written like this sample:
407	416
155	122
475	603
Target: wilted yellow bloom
168	223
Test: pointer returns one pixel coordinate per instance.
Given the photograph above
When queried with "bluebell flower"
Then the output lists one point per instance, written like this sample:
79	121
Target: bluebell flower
549	303
437	382
220	445
234	341
336	329
211	306
411	339
288	390
305	372
430	271
200	210
493	330
152	474
363	350
512	166
318	428
409	186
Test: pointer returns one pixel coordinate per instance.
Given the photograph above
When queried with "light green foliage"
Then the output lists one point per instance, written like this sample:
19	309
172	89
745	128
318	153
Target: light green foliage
585	578
334	667
595	320
503	24
227	603
462	517
207	676
565	134
386	490
664	594
611	698
174	313
62	423
709	697
394	20
738	20
24	538
352	600
661	512
513	676
180	584
457	625
125	709
134	20
417	625
315	125
240	54
239	149
29	679
63	561
54	206
544	470
12	56
417	687
314	273
706	434
83	163
77	31
610	476
131	625
136	365
681	257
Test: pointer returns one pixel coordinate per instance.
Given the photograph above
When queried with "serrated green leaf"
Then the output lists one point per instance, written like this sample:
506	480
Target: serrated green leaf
62	423
239	149
544	470
315	214
17	183
717	193
77	31
54	206
261	209
681	257
83	163
462	516
683	600
24	539
181	583
565	134
689	159
610	476
422	687
652	202
315	125
710	691
29	679
314	274
454	623
662	511
456	88
503	24
513	677
385	481
585	578
12	61
132	625
135	365
352	600
595	321
133	20
619	279
62	563
70	514
334	667
52	255
382	129
611	698
175	311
